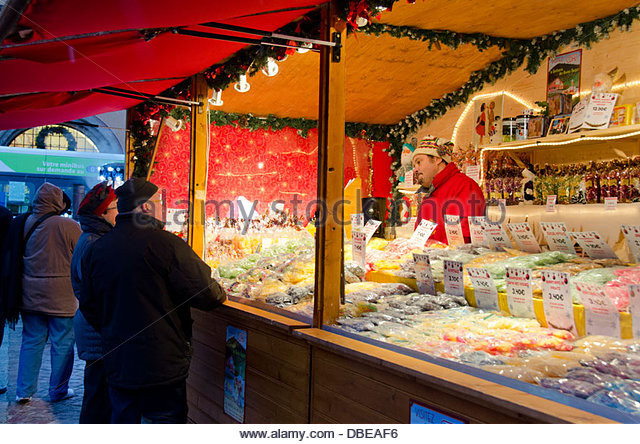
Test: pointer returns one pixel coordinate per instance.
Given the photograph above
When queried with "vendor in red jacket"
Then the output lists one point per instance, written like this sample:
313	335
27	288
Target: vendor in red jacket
447	190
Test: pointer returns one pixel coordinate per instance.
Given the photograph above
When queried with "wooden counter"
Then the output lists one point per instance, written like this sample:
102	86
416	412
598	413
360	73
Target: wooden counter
277	371
298	374
355	382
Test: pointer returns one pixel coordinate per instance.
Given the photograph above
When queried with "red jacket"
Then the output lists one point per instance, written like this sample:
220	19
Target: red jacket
456	194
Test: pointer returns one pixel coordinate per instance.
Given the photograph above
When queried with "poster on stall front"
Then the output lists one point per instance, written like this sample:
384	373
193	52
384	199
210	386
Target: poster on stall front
235	364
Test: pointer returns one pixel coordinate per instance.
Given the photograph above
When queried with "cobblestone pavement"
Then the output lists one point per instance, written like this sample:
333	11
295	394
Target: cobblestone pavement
39	410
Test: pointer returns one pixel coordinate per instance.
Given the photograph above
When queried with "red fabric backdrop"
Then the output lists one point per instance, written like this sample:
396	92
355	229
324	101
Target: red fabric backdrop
265	166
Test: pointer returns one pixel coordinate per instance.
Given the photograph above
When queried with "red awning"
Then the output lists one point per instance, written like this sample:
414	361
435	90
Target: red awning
47	82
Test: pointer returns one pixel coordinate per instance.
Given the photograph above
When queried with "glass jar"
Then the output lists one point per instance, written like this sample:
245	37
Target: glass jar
509	129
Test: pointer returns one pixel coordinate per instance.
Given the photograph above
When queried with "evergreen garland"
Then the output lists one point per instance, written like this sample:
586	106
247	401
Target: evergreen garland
434	37
274	123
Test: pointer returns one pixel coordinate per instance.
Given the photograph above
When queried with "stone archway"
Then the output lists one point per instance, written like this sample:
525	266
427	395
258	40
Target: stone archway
92	127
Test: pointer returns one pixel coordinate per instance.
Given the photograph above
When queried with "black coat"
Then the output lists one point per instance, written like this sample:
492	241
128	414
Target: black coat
88	341
11	268
139	283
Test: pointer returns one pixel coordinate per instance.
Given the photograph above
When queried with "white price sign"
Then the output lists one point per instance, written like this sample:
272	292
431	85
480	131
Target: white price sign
476	229
632	235
634	308
357	220
424	276
453	230
594	245
555	233
453	279
497	236
601	316
610	203
408	178
473	171
422	233
558	308
370	227
484	288
524	237
520	293
551	203
359	247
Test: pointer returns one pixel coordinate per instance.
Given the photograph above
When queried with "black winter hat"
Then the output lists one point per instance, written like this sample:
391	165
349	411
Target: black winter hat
133	193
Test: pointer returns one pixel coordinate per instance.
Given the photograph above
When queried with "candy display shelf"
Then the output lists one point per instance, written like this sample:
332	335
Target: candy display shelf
578	138
598	145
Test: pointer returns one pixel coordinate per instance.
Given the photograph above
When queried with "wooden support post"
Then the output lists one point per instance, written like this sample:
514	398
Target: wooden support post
329	278
129	163
199	160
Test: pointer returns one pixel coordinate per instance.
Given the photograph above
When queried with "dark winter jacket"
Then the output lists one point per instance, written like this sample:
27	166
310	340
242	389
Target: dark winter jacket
11	270
455	193
88	340
46	279
5	222
139	283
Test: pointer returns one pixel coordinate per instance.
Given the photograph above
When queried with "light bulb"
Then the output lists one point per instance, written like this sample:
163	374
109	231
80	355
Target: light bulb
271	68
242	85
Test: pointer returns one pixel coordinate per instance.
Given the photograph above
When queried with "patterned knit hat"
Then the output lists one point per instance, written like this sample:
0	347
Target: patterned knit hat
434	146
97	200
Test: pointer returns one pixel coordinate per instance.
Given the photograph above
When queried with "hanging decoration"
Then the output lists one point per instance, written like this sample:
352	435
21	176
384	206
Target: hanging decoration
72	144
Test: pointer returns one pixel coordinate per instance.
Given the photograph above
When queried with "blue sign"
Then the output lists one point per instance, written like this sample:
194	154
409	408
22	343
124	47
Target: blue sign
424	415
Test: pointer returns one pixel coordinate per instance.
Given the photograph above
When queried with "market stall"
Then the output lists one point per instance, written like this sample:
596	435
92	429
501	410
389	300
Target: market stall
319	329
459	354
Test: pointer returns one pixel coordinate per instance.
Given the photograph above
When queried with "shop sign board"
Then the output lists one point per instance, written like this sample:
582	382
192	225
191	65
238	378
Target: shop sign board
520	293
424	415
17	191
556	297
424	275
484	288
54	162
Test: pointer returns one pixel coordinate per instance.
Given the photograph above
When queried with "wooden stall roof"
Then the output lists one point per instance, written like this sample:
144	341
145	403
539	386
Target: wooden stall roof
389	78
502	18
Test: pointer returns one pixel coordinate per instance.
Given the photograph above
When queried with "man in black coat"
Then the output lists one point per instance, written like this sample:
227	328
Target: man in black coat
5	221
139	284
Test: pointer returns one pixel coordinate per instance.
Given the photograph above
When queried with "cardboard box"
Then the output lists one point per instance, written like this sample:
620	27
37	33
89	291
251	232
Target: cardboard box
593	112
622	115
560	104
